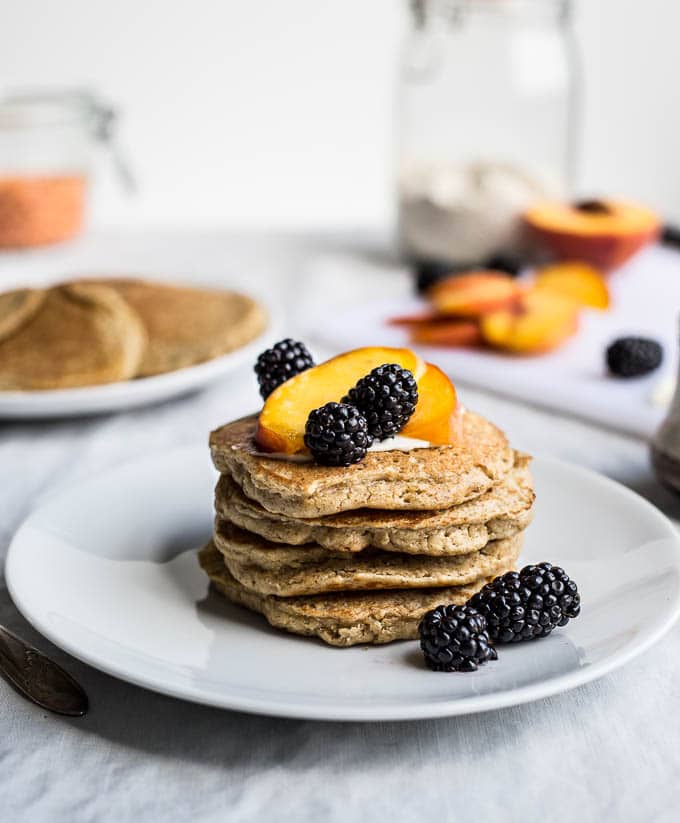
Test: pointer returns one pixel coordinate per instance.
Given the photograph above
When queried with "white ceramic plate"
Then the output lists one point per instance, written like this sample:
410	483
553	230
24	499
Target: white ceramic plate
107	570
129	394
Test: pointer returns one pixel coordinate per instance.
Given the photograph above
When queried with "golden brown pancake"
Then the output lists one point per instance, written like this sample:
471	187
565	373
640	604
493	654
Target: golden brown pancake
81	335
186	326
269	568
340	618
17	307
432	478
498	513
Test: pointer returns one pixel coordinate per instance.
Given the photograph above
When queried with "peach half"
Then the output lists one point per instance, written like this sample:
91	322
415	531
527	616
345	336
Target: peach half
604	233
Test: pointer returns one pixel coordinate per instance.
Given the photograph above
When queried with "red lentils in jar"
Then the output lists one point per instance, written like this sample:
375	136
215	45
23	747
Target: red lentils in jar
36	210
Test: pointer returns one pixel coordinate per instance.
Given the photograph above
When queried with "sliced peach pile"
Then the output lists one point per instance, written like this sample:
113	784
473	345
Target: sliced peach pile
488	308
540	322
474	294
282	420
604	233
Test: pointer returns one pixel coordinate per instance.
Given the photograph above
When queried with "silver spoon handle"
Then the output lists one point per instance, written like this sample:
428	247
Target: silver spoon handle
38	678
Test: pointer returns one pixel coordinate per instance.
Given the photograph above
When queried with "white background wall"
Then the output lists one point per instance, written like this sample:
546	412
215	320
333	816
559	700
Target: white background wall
278	112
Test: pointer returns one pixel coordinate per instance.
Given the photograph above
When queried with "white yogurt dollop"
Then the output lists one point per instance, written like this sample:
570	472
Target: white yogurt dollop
397	443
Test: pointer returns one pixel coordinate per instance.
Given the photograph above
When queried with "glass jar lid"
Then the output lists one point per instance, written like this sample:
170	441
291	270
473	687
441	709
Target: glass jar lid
50	109
40	109
454	9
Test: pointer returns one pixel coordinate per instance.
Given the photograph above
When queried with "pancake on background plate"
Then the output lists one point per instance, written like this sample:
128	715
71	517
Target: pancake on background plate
186	326
79	335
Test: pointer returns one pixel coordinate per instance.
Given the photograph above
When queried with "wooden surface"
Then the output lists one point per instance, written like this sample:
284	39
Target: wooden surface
607	751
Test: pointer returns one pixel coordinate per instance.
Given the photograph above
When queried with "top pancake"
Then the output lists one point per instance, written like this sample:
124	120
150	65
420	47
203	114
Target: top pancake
433	478
78	335
186	326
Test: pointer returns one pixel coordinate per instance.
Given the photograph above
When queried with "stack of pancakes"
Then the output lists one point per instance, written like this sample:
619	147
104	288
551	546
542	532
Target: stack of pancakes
359	554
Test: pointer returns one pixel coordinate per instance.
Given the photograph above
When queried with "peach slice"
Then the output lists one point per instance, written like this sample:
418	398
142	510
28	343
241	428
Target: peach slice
413	319
605	233
446	332
579	282
281	426
474	294
539	323
433	417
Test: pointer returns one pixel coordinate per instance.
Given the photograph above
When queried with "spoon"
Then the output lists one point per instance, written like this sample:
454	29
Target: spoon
38	678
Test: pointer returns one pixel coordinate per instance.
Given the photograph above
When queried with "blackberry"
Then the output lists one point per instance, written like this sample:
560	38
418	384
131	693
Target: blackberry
278	364
528	604
633	356
429	272
455	639
337	435
387	397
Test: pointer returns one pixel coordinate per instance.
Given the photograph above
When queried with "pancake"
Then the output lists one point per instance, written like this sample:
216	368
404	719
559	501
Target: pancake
267	568
340	618
433	478
80	335
498	513
186	326
17	307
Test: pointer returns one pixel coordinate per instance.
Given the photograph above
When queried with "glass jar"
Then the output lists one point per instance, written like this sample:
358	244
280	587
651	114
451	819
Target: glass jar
47	144
486	124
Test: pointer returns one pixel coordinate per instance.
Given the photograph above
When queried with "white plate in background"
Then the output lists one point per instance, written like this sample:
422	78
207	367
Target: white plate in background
107	570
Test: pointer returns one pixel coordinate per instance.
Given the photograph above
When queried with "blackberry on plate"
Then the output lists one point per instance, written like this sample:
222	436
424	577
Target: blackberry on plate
455	639
528	604
633	356
337	435
387	397
278	364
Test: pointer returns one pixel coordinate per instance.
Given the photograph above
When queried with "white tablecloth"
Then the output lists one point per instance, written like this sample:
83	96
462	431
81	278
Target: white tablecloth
606	751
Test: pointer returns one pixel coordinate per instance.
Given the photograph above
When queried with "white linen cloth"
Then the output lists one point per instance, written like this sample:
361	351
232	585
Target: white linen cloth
606	751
